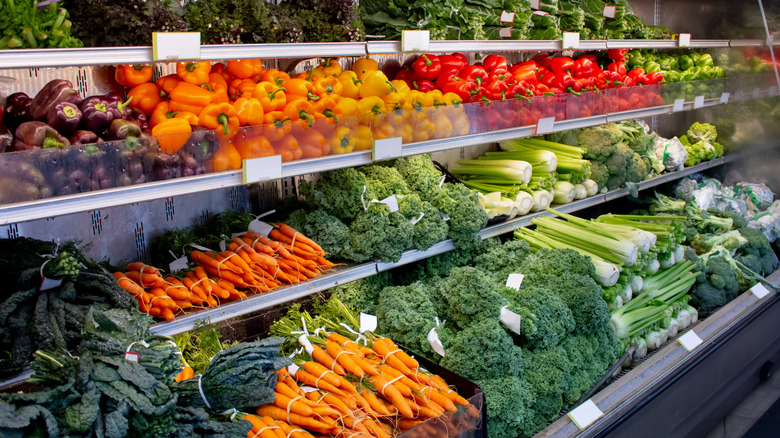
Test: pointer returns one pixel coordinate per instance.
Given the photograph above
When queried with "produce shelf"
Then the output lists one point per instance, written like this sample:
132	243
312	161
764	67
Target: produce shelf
631	390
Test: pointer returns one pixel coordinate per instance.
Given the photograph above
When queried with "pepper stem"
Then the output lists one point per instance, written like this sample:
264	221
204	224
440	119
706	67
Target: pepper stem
121	105
305	116
329	113
223	120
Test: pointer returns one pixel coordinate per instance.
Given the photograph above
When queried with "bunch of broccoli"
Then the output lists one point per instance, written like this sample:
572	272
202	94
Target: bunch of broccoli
700	143
618	153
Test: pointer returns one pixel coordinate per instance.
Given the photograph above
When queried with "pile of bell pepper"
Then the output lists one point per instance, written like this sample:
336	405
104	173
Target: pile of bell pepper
260	112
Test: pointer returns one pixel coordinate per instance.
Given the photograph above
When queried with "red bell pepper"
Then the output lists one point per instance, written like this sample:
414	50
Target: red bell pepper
584	67
561	65
423	85
427	67
496	90
452	62
495	62
445	77
405	75
519	90
638	75
654	78
464	59
500	75
464	90
565	82
473	73
617	55
617	67
527	74
542	60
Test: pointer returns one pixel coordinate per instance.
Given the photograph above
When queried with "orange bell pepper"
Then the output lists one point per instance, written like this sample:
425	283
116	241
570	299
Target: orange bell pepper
288	148
219	88
144	97
222	114
271	96
328	86
221	69
250	111
162	112
250	143
242	88
300	87
194	72
245	68
168	82
189	97
300	109
276	77
130	75
191	118
226	157
276	126
172	134
313	144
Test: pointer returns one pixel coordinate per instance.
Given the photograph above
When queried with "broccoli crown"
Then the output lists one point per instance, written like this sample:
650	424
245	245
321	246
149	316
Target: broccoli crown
378	234
363	294
643	145
599	173
704	222
702	132
618	161
736	218
467	216
731	240
758	246
717	287
547	371
327	230
616	181
406	314
509	400
429	229
472	297
637	169
384	180
339	192
545	318
419	173
599	141
483	350
564	137
502	260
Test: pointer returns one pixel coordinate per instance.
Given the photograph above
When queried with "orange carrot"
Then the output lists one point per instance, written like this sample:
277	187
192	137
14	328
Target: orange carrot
406	424
257	423
300	420
200	274
389	356
336	402
293	404
130	286
374	402
312	380
142	267
343	358
275	428
167	314
295	234
149	280
438	398
326	359
393	395
405	358
293	432
320	371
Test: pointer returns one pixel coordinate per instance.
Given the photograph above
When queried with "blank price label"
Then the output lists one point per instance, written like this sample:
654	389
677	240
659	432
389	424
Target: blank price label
132	357
510	319
545	125
571	40
690	340
387	148
609	11
534	4
262	169
415	41
505	32
49	283
391	202
172	46
585	414
260	227
698	102
514	281
178	264
678	105
759	290
773	91
684	40
724	98
507	17
433	339
368	322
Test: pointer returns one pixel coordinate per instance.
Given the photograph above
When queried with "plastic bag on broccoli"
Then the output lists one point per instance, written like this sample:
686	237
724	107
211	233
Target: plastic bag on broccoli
758	195
671	152
767	223
685	186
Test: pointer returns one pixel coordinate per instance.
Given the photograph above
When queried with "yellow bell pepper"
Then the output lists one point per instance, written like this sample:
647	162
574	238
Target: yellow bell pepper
331	67
443	126
363	66
375	83
401	86
406	132
364	139
433	98
371	110
383	130
342	141
350	84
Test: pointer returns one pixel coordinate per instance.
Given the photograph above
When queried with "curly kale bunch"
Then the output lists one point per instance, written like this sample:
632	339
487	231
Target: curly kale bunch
341	193
363	294
377	233
501	260
429	227
407	315
483	350
384	180
327	230
472	297
509	400
466	215
545	318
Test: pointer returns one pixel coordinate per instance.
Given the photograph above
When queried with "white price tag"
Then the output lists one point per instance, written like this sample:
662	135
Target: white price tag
49	283
173	46
132	357
200	248
545	125
444	216
178	264
308	389
759	290
222	246
678	105
304	340
756	93
698	102
510	319
684	40
292	369
415	41
505	32
690	340
392	202
724	98
433	339
541	13
262	169
534	4
368	322
609	11
514	281
387	148
260	227
585	414
507	17
571	40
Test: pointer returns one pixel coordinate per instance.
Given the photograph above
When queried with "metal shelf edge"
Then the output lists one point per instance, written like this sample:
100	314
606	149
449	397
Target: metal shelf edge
416	255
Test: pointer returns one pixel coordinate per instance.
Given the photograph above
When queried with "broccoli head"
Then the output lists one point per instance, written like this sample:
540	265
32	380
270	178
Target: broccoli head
704	222
430	228
472	296
547	371
702	132
545	318
508	400
483	350
419	173
731	240
758	246
502	260
599	141
340	192
564	137
644	145
637	170
599	173
466	215
327	230
717	287
737	219
406	314
363	294
618	161
384	180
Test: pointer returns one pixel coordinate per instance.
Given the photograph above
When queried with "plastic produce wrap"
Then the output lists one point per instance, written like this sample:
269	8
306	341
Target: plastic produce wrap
728	200
768	223
758	197
685	186
671	152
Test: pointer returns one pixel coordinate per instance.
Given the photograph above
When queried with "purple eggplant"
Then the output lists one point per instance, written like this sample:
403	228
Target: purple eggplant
37	135
84	137
56	91
17	110
64	117
96	115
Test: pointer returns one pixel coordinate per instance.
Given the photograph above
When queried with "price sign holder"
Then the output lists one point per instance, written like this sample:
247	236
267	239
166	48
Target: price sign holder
415	41
690	340
698	102
387	149
679	104
759	290
684	40
724	98
609	11
262	169
545	125
174	46
585	414
571	40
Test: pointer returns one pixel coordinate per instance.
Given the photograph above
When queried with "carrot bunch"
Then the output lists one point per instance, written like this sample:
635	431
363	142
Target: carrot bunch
251	263
267	427
346	390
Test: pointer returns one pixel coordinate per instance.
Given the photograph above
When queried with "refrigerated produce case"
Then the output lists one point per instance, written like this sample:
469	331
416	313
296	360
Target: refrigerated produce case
688	390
